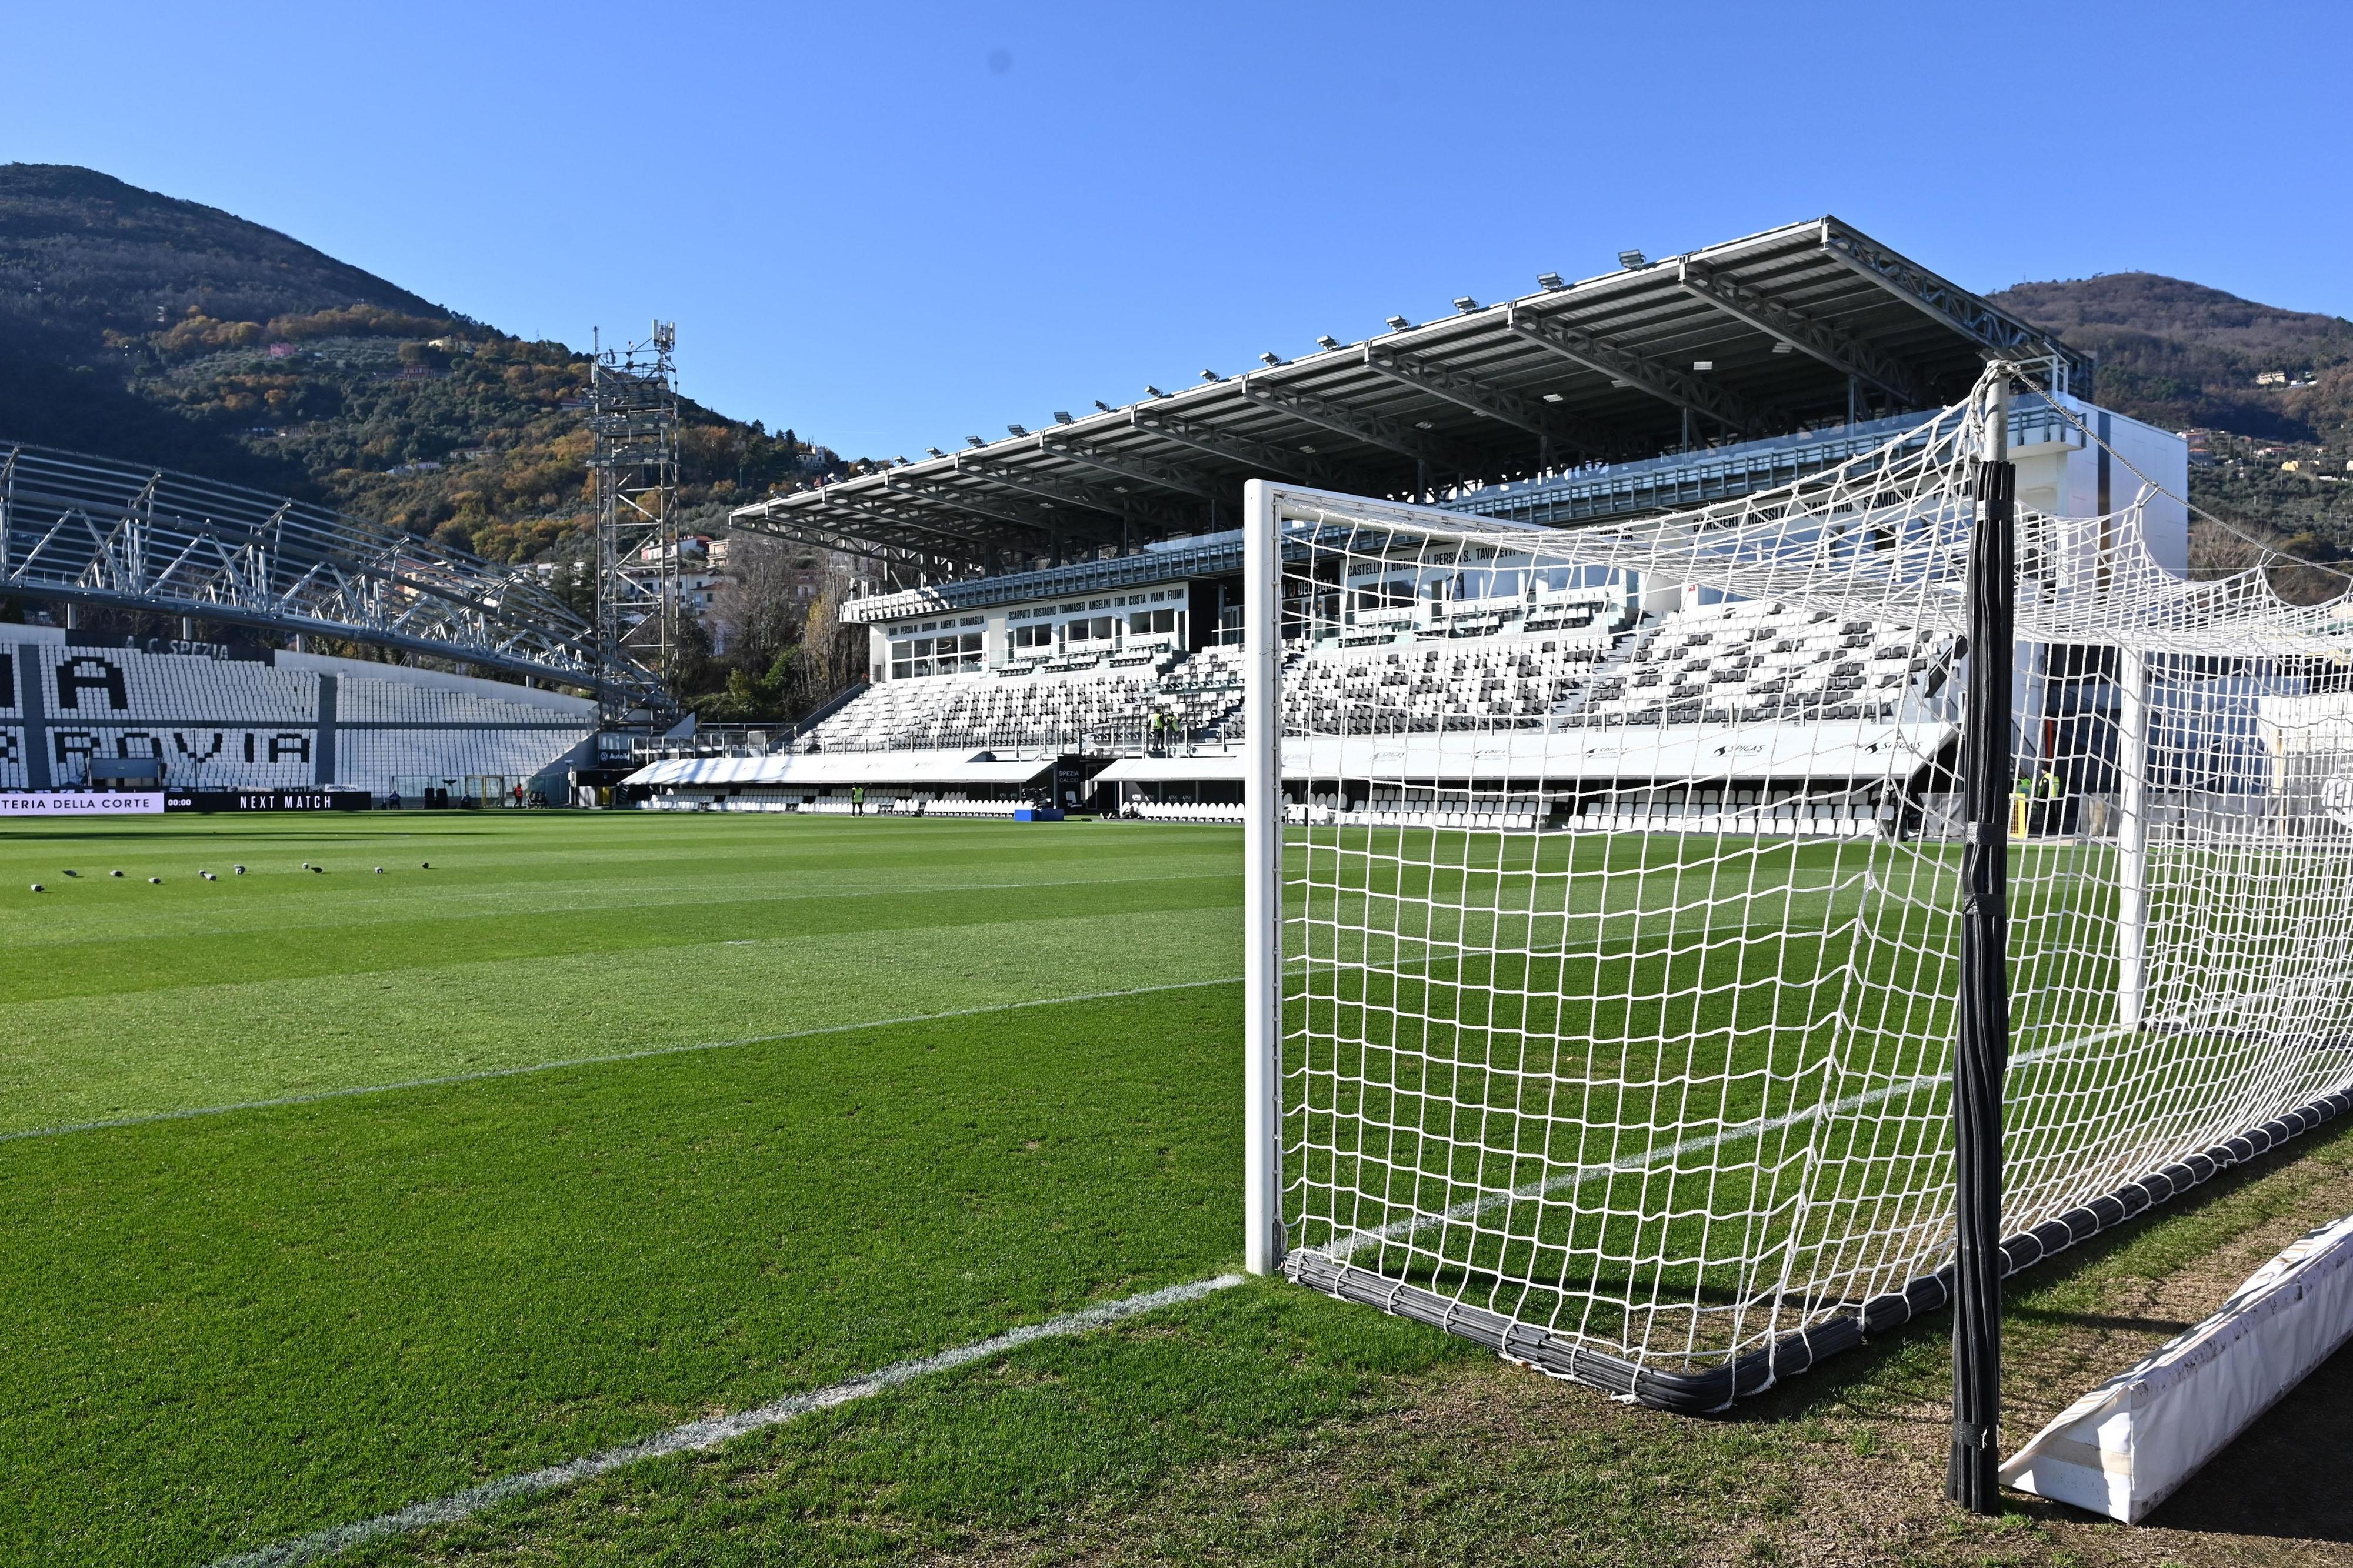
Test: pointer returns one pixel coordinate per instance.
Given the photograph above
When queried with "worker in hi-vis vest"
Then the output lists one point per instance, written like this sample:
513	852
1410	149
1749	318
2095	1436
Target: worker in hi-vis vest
856	800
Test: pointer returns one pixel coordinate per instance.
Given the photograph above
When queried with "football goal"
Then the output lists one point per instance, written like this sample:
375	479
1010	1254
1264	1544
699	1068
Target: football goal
1611	892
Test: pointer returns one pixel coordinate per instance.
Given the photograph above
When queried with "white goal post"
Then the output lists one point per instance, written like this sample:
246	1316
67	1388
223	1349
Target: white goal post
1604	905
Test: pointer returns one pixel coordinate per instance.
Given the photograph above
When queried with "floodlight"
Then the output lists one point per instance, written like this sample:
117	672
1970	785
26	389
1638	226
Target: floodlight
1268	358
936	452
1784	348
1632	259
1328	342
1549	281
1398	324
1421	425
1464	303
1306	449
1552	397
1212	376
1703	365
974	441
1152	391
1016	431
1619	381
1062	417
1101	404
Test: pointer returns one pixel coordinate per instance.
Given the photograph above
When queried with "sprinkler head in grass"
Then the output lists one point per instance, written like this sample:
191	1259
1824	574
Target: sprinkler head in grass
379	871
155	882
425	865
72	873
38	888
239	869
115	873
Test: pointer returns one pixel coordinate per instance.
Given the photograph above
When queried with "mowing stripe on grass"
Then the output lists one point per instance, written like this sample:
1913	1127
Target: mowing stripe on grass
529	1068
696	1437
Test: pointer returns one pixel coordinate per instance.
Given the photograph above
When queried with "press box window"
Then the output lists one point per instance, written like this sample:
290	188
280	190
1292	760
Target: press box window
1037	637
1150	623
929	656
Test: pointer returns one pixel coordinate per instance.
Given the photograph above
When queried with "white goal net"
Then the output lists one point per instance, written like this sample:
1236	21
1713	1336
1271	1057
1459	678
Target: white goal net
1606	919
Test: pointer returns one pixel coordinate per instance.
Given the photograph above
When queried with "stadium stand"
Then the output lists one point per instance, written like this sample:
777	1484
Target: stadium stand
1418	660
259	719
1095	702
1745	661
1107	642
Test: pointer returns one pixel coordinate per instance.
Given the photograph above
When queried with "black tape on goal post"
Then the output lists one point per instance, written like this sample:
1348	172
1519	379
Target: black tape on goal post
1982	1055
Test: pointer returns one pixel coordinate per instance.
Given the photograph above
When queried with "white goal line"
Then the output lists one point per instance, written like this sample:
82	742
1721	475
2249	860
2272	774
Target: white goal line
697	1437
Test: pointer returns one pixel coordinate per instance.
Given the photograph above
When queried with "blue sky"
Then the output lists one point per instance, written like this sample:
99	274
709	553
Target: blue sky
889	226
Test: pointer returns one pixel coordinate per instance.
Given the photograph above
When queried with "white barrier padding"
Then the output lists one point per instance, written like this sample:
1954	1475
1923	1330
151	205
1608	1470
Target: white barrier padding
2125	1447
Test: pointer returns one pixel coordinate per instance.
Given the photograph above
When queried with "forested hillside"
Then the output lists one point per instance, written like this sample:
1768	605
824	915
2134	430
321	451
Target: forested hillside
139	326
2269	392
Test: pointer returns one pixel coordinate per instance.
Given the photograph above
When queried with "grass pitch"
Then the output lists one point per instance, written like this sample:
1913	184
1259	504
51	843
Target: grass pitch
324	1193
231	1326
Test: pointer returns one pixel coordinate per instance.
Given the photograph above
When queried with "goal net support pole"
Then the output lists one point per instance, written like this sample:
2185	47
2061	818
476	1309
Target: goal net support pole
2132	835
1981	1053
1262	879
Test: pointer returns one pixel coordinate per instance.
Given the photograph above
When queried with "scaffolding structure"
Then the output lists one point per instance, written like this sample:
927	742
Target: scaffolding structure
633	415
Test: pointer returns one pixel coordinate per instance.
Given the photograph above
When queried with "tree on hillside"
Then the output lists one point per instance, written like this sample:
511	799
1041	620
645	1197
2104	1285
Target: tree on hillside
832	654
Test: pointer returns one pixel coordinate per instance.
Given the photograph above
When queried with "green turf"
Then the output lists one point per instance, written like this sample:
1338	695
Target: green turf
228	1329
541	939
323	1193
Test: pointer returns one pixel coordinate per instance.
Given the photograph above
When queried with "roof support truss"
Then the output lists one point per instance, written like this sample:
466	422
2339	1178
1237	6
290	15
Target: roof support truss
81	529
1057	521
1151	512
1944	302
1662	381
1846	354
1561	433
777	525
861	513
1386	430
1267	457
1138	467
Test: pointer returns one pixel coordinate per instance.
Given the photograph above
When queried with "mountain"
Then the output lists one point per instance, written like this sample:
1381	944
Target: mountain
2267	393
140	326
136	325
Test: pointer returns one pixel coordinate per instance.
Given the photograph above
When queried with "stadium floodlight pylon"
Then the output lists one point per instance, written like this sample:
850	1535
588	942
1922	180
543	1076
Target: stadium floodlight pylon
1608	1016
633	416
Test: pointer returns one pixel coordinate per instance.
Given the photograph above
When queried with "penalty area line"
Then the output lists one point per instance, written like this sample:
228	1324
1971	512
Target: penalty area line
526	1068
697	1437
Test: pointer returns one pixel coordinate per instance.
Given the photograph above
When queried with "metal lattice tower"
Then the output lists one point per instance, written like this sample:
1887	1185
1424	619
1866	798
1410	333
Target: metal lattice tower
633	414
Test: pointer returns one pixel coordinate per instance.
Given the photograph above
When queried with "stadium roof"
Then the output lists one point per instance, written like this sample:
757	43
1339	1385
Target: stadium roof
1778	332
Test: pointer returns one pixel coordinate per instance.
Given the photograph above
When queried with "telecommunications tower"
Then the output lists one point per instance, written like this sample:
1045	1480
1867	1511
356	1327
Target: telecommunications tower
633	414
